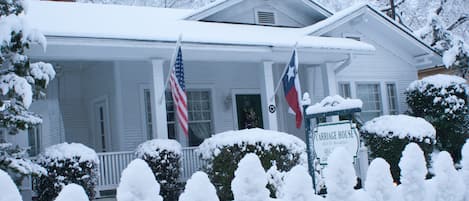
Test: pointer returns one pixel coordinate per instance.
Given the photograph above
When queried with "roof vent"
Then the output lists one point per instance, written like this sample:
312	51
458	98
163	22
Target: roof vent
265	17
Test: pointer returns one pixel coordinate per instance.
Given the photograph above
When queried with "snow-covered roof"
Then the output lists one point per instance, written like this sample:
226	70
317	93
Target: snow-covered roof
400	126
333	104
163	24
349	13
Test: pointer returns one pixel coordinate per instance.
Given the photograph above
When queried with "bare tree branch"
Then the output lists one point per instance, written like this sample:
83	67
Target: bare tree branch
459	21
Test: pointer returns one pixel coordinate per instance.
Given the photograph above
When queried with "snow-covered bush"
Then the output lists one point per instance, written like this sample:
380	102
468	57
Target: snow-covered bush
67	163
249	183
465	168
275	180
8	190
223	152
138	183
298	185
164	158
386	136
448	185
379	183
441	100
340	176
13	160
199	188
413	173
72	192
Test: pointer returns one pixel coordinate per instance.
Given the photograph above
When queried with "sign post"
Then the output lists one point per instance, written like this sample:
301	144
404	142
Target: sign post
325	137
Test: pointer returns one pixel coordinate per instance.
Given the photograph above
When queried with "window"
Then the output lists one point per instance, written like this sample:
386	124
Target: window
392	98
344	90
200	116
34	142
371	96
148	113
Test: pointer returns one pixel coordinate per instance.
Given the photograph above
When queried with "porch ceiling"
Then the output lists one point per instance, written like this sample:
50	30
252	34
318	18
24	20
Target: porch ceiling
66	48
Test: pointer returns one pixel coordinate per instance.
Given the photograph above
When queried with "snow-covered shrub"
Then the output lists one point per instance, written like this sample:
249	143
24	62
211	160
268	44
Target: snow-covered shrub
223	151
379	183
164	158
465	168
441	100
386	136
138	183
8	190
340	176
249	183
448	185
298	185
413	173
13	160
199	188
67	163
275	180
72	192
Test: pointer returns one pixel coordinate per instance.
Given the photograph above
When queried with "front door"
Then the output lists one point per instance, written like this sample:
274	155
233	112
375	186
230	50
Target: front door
249	111
101	121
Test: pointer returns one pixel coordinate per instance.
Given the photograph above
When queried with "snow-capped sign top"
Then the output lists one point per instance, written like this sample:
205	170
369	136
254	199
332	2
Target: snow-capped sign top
69	150
332	104
153	147
400	126
212	146
438	81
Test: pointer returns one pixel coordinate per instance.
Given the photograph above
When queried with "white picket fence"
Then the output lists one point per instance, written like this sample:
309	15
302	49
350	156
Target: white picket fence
111	165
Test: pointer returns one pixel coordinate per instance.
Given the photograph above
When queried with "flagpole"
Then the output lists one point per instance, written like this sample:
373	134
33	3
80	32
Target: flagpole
171	67
284	70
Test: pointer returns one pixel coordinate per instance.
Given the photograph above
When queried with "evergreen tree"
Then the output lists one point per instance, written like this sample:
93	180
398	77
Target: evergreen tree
20	82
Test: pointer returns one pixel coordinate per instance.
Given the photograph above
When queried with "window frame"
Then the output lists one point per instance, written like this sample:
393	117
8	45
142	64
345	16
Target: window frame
388	97
339	88
380	94
177	130
37	129
143	109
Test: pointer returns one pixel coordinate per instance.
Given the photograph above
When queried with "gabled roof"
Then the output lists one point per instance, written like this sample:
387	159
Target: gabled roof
220	5
353	12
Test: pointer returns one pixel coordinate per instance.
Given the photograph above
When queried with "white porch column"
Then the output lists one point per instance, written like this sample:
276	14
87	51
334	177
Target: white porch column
328	76
160	102
267	90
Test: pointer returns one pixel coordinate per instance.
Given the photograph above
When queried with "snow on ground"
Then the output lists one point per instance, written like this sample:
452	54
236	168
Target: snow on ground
212	145
138	183
413	171
155	146
8	190
68	150
333	103
199	188
249	183
379	183
400	126
72	192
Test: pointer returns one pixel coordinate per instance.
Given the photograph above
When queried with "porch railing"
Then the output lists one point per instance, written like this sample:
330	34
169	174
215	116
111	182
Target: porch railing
112	164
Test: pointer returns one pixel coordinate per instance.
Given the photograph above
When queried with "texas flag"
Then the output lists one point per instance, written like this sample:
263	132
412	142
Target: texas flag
291	88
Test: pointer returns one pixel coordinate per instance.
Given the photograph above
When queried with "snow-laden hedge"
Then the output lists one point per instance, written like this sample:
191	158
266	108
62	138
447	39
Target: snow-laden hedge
138	183
67	163
386	136
442	101
164	158
223	151
72	192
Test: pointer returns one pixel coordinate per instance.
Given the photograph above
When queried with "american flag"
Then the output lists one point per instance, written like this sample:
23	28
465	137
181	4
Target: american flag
178	91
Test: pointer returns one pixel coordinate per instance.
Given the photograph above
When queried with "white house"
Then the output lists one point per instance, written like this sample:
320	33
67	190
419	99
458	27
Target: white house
112	62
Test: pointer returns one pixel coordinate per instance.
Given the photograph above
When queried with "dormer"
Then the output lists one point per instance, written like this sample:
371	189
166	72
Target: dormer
278	13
